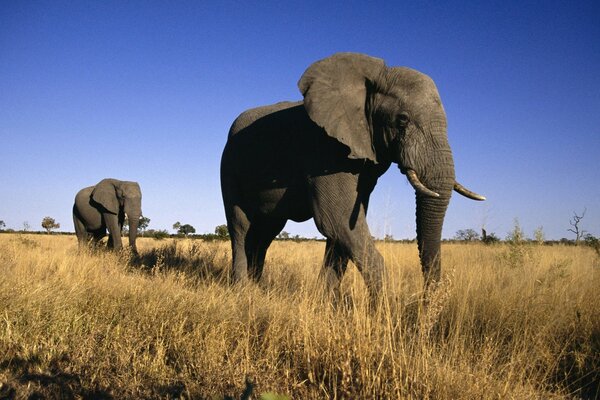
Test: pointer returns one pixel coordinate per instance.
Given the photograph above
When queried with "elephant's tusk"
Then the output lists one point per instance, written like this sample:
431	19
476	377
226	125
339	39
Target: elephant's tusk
419	187
467	193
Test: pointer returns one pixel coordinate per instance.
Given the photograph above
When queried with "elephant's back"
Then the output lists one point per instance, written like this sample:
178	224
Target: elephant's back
267	145
85	212
82	198
271	112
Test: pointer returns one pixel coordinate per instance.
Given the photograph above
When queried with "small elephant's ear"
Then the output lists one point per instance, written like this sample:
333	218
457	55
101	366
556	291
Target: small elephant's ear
105	194
335	91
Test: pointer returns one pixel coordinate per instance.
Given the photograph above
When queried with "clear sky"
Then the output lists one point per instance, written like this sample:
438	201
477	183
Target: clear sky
146	91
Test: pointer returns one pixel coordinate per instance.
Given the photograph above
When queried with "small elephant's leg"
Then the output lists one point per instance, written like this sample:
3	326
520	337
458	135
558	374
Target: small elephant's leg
334	266
114	233
97	237
83	237
238	225
260	236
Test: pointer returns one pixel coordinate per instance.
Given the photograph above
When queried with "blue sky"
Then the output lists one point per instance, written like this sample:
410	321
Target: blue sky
146	91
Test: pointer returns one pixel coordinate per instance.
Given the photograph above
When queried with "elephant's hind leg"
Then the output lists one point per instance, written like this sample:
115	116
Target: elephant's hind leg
83	237
238	225
259	238
97	237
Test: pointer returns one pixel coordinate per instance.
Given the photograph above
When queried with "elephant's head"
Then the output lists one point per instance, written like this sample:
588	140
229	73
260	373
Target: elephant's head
121	196
385	115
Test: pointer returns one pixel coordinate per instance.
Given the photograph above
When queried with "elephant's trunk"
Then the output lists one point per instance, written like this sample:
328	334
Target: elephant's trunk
133	209
134	220
431	211
133	228
430	219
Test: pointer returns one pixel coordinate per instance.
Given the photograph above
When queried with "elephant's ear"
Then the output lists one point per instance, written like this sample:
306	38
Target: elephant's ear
335	91
105	194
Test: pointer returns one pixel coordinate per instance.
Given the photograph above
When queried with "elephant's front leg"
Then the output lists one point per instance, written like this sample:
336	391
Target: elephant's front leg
340	215
114	233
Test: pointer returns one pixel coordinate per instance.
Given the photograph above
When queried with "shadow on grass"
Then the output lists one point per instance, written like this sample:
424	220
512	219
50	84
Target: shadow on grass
196	260
27	381
52	384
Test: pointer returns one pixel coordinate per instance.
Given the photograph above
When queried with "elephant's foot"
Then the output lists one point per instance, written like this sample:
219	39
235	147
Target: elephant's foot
329	285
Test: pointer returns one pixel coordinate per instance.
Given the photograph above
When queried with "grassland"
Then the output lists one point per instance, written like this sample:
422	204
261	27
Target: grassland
520	322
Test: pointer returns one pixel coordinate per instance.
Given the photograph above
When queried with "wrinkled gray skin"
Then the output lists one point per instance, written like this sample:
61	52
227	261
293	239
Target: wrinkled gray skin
320	158
101	207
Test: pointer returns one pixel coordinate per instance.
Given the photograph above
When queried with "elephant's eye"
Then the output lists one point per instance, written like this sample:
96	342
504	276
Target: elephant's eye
402	119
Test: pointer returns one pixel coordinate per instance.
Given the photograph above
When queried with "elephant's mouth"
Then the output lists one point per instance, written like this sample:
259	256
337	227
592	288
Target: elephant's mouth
423	190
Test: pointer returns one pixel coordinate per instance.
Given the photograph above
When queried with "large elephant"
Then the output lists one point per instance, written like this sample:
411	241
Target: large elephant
320	158
101	207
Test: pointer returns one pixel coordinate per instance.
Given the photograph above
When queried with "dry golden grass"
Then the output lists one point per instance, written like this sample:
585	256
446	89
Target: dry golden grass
519	322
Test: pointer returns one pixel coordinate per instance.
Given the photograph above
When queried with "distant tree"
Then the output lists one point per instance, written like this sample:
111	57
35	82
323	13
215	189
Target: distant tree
517	235
467	235
283	235
566	241
48	223
593	242
157	234
576	229
2	225
388	237
538	235
176	226
590	239
186	229
26	226
143	223
222	232
490	238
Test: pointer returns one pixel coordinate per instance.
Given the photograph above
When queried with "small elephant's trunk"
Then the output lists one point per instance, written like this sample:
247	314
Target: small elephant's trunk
134	221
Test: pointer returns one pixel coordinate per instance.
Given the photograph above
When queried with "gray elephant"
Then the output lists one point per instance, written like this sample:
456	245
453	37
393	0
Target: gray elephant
101	207
320	158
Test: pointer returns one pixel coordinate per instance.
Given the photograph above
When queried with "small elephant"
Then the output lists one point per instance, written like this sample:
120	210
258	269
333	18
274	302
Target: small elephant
320	158
101	207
